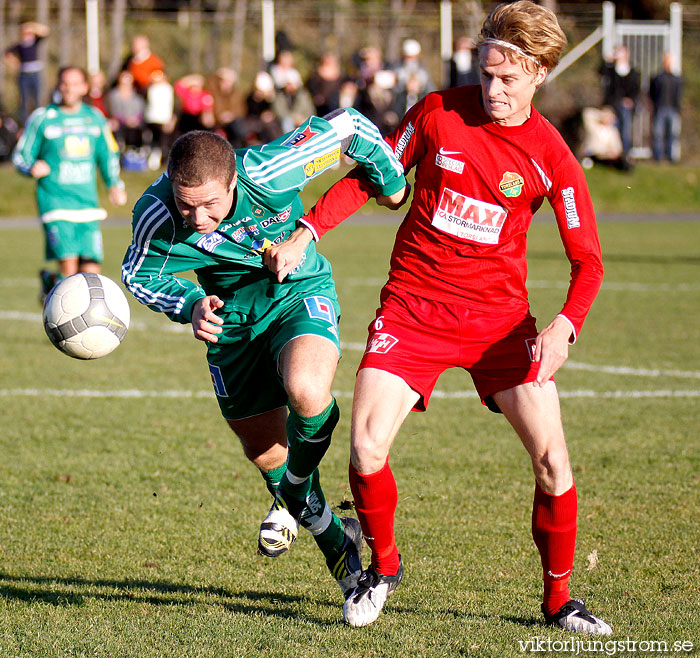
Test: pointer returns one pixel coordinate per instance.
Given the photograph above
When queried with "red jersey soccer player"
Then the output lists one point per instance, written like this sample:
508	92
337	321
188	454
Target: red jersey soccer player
485	160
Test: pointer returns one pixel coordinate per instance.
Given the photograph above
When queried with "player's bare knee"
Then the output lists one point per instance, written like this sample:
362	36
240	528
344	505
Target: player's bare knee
265	457
552	470
368	451
310	399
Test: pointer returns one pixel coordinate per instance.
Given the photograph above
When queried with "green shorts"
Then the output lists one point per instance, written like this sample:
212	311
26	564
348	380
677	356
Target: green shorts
245	371
73	240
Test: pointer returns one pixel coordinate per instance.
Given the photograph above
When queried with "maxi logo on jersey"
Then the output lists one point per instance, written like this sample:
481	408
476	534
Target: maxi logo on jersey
469	219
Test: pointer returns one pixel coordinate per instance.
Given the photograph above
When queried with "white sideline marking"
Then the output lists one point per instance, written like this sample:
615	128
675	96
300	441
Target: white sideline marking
626	286
135	393
174	327
638	372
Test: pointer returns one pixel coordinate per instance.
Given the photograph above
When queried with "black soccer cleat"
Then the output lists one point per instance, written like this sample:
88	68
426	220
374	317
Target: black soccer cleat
574	616
346	565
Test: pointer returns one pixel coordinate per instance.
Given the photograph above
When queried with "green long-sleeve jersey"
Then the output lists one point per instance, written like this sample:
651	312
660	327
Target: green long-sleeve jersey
228	262
74	145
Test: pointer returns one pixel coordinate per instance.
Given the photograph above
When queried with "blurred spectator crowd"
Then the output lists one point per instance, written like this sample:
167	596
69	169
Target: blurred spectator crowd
148	111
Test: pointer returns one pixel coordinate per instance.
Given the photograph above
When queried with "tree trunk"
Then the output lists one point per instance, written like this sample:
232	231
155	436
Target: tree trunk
342	19
212	54
195	36
118	16
240	11
3	47
65	55
42	16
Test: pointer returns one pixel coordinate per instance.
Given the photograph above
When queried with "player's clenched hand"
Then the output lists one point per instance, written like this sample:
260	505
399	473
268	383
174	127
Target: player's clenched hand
205	323
551	349
40	169
282	258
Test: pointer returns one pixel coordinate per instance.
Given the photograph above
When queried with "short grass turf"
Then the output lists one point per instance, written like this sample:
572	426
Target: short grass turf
129	516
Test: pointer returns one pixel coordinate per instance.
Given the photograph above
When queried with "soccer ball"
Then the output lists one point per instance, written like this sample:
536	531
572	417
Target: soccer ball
86	315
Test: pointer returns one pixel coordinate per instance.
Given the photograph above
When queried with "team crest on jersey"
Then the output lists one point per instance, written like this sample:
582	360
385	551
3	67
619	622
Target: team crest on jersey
321	308
511	184
258	211
381	343
299	138
469	219
210	241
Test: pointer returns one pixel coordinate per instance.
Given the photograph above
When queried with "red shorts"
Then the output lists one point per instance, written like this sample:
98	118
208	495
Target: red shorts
418	339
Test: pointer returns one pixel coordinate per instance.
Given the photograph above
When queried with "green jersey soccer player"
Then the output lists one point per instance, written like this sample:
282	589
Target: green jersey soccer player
62	147
272	341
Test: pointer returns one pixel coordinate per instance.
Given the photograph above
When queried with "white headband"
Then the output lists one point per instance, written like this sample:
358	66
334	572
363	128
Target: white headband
513	47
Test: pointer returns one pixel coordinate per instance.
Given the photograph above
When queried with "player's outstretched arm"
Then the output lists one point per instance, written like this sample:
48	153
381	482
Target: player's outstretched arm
205	322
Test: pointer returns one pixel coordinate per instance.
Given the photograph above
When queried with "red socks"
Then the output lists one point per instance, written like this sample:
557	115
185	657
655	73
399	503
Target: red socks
554	532
553	529
376	498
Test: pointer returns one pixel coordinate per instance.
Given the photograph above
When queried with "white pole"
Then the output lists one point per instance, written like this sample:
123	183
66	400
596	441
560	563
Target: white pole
446	29
268	30
677	36
446	38
609	35
92	28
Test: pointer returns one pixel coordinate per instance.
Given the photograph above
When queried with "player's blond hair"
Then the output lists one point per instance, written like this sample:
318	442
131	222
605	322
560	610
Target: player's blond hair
199	157
532	29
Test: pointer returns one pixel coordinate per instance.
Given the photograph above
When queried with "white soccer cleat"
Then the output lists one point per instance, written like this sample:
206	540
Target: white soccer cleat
278	531
365	603
574	616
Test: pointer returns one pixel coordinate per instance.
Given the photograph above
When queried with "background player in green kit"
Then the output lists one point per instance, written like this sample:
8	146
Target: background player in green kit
272	340
62	146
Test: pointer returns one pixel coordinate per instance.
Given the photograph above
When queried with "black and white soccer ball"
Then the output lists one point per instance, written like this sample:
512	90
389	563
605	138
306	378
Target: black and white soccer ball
86	315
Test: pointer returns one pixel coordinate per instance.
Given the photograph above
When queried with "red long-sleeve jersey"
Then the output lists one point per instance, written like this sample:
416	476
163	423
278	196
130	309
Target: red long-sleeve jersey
477	186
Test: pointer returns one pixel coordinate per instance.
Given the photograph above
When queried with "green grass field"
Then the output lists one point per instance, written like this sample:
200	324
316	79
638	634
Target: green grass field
129	517
650	188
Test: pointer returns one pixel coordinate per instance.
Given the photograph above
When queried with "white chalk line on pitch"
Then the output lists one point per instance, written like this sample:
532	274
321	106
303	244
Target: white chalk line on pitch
626	286
173	327
135	393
